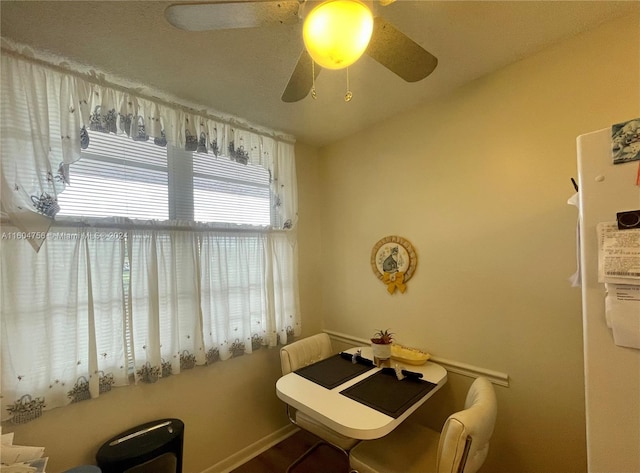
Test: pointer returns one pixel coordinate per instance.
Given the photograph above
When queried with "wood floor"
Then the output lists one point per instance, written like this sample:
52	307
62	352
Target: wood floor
323	459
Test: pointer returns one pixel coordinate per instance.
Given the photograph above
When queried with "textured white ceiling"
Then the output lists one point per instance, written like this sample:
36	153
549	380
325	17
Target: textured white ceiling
243	72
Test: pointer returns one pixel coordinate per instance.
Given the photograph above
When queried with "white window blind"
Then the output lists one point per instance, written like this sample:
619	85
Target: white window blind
227	191
118	176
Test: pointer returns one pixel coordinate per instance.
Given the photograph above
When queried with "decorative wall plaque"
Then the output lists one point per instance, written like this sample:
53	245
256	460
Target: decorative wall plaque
394	261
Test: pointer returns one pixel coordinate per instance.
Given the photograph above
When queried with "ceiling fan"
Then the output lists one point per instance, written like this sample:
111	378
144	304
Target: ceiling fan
379	38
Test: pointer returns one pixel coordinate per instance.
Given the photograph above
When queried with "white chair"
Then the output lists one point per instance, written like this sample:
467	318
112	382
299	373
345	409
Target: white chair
462	446
298	355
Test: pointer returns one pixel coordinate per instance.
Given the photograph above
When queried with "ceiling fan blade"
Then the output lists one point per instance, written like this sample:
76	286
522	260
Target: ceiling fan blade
399	53
231	15
301	81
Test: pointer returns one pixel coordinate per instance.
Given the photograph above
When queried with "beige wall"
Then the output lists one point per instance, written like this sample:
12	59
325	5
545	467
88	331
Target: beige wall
310	198
225	407
478	182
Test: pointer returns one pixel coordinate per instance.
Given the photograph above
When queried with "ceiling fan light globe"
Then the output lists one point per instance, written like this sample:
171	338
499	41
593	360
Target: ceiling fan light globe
337	32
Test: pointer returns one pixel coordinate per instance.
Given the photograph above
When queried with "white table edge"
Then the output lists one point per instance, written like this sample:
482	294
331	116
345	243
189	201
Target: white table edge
358	421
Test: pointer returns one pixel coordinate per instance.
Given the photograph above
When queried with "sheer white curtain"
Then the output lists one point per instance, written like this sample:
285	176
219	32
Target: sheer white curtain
45	115
53	304
37	143
233	291
83	311
88	307
282	286
202	296
164	302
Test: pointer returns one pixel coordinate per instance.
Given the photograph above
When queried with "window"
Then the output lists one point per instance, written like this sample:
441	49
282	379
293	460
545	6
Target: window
100	298
227	191
118	176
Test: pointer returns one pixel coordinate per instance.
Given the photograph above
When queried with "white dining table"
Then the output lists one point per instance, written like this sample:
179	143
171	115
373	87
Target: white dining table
348	416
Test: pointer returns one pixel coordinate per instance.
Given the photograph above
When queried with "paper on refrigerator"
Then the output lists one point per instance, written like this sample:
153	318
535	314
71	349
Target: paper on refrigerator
622	311
618	254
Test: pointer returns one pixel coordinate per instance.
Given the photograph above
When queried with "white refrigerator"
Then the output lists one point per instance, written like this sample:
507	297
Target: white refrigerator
612	371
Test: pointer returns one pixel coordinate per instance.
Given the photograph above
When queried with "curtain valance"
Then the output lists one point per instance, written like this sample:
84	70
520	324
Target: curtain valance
45	116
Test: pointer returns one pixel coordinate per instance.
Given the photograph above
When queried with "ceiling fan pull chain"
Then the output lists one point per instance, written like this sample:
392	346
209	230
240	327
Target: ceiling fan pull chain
348	96
313	78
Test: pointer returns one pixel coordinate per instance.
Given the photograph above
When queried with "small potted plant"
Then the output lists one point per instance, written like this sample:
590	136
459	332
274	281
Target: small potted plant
381	346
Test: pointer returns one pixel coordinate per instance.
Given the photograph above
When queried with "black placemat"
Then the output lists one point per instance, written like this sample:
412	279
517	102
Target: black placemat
385	393
333	371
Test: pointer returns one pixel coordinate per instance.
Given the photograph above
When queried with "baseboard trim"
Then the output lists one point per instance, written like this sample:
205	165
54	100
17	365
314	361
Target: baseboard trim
496	377
252	451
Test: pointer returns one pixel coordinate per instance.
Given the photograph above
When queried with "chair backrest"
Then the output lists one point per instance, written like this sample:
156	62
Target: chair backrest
304	352
464	441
